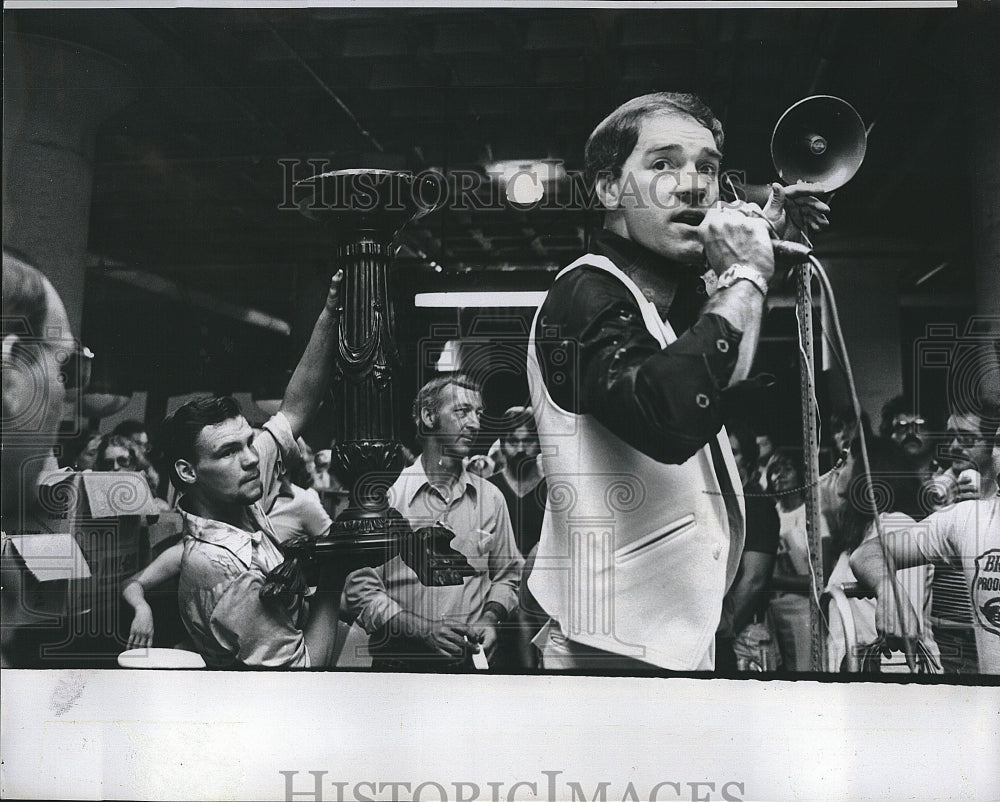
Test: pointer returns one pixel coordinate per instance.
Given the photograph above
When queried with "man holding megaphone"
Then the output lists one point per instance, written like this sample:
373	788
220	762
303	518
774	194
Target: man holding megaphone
629	360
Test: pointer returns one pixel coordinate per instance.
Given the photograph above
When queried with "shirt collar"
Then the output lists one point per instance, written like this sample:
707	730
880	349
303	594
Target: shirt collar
687	294
628	254
239	541
415	479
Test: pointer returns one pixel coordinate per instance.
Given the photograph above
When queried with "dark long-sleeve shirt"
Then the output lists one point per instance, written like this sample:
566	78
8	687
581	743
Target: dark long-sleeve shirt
598	358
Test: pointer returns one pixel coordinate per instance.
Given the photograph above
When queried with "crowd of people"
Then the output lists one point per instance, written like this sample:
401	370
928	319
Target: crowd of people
627	519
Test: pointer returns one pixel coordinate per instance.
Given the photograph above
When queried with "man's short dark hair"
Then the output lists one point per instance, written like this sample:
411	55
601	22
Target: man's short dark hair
127	428
843	418
894	407
514	418
749	450
179	431
783	457
615	136
985	410
896	489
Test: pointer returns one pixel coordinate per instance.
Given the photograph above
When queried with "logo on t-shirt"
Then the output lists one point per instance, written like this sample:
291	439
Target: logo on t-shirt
986	590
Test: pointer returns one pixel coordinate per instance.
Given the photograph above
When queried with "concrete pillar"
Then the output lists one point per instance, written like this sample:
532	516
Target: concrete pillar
56	95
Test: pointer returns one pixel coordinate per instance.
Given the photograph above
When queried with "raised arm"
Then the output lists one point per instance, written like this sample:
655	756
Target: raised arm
787	211
733	239
666	402
312	374
647	395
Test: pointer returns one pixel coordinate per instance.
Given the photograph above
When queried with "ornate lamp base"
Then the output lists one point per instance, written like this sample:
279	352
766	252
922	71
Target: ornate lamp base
354	543
365	209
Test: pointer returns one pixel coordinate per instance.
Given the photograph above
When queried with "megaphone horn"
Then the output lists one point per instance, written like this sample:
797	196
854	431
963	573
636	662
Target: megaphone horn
820	140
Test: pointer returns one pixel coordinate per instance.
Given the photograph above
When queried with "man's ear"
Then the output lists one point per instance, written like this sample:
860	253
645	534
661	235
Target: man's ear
8	345
13	379
428	419
185	470
608	190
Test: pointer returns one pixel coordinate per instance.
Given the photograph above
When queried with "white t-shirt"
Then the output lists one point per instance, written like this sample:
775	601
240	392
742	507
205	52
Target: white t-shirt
967	536
916	584
300	514
793	543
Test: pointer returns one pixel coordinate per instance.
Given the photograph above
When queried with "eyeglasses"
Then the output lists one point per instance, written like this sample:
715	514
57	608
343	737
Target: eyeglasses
121	461
75	362
901	425
965	439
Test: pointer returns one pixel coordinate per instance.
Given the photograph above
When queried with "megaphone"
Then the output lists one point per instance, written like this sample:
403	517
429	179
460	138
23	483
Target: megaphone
820	140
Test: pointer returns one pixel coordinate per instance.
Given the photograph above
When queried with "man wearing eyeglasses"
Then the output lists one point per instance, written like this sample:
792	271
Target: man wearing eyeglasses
43	367
907	430
964	537
969	453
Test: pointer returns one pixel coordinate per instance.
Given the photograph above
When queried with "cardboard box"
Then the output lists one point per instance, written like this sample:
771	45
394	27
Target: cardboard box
109	523
109	494
73	613
52	573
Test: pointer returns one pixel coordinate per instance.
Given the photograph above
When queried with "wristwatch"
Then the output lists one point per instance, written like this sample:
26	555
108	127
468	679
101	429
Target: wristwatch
740	272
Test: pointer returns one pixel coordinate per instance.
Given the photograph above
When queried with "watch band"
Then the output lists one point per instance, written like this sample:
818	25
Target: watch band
742	272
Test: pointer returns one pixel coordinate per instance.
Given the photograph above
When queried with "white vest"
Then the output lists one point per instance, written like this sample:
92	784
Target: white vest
635	555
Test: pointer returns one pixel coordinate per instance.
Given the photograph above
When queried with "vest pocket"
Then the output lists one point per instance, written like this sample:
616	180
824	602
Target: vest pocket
667	594
647	543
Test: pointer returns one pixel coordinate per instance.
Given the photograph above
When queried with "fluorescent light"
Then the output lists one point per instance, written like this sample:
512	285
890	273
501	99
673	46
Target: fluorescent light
463	300
524	180
541	169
